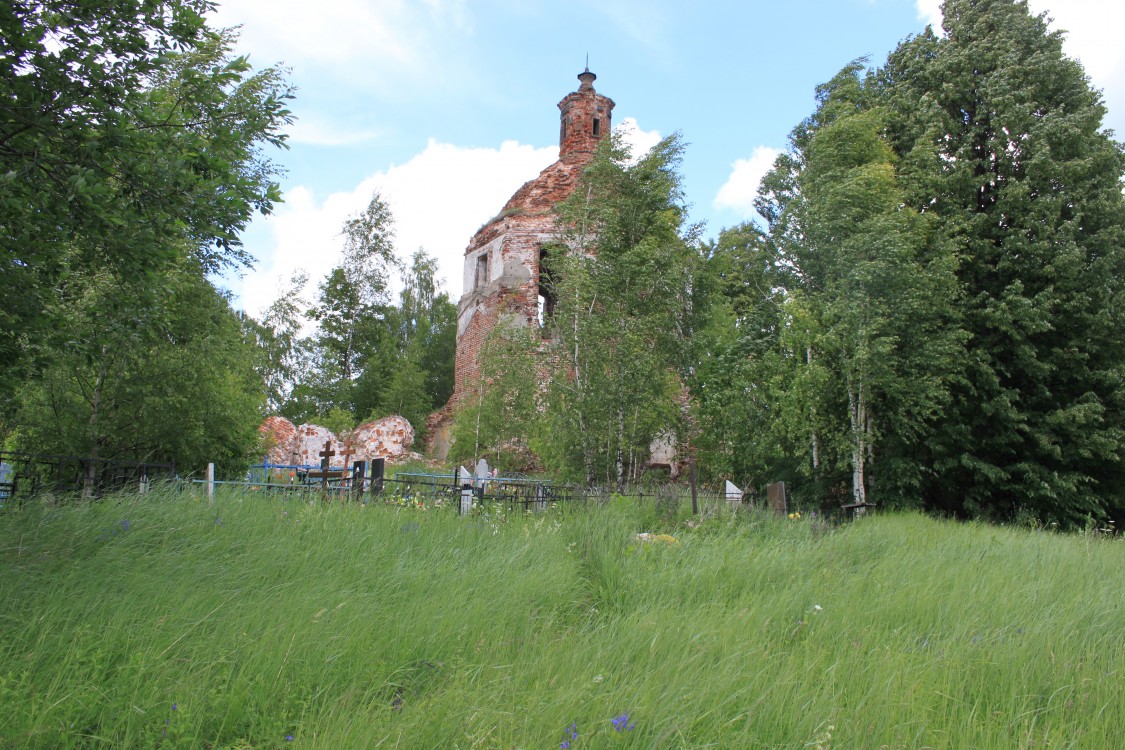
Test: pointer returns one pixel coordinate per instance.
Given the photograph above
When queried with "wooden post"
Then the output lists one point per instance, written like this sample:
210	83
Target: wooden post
694	491
325	455
211	483
347	453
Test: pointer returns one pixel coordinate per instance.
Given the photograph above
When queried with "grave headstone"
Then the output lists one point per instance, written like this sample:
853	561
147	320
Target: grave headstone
483	475
465	479
775	497
378	469
734	495
359	477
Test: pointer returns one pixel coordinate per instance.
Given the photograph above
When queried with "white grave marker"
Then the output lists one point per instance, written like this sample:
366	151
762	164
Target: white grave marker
734	495
465	479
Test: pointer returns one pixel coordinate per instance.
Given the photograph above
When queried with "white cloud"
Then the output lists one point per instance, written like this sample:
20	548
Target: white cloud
439	198
639	141
739	191
1093	35
930	12
373	42
318	132
1093	30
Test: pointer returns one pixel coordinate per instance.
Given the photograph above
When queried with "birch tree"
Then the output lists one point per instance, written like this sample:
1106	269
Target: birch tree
624	280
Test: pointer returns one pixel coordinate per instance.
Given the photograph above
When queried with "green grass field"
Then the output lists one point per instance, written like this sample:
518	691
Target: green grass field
265	623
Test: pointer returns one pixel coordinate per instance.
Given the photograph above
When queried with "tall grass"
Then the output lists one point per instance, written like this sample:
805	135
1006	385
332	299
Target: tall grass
171	622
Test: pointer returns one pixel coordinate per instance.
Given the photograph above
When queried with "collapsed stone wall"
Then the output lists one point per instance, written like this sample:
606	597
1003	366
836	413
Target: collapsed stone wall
389	438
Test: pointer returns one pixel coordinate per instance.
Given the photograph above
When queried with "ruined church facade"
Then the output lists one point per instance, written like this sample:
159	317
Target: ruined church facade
503	280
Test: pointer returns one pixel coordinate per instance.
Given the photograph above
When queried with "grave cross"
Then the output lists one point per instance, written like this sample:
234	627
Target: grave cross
325	454
347	453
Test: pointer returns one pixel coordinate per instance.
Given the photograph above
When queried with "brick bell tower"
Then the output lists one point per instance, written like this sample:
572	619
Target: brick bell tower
502	279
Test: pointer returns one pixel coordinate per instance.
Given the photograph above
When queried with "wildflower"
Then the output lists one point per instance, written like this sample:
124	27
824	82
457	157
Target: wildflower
288	738
621	723
174	707
125	524
817	608
598	679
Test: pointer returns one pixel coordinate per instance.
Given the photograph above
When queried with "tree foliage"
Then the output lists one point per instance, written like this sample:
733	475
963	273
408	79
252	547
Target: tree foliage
953	226
161	374
369	357
129	133
132	155
623	277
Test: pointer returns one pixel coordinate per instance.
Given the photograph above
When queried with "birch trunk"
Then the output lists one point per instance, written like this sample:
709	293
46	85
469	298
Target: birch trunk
857	412
620	452
812	419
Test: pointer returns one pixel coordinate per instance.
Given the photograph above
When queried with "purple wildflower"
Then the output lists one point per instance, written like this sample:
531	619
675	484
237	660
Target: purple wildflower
288	738
621	723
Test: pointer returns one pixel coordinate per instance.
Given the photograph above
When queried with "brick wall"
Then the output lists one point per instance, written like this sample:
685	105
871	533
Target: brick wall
511	241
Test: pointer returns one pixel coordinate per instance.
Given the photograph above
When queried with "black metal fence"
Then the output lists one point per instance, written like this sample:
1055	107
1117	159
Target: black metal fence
535	494
26	474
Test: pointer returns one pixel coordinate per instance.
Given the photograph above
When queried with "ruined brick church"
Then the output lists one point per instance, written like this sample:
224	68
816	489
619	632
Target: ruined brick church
503	279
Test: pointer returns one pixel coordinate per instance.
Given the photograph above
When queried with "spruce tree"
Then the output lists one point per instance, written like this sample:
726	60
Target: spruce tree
1000	136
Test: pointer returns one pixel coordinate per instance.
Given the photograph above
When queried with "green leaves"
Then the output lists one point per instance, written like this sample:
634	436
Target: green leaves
956	267
623	321
128	131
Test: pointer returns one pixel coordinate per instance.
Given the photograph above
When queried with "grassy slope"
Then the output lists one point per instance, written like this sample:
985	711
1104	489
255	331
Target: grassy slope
239	624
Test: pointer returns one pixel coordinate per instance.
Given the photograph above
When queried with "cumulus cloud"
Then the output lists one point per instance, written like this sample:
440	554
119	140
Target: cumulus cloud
639	141
1093	31
930	12
439	198
739	191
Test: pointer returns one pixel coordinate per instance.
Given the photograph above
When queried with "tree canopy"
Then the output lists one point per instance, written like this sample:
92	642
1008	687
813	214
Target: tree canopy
132	154
130	133
950	228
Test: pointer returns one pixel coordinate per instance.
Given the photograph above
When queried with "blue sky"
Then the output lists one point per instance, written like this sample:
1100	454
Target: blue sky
447	106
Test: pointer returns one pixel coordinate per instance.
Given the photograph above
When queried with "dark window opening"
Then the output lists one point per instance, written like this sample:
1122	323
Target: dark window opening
547	297
562	131
597	126
482	271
